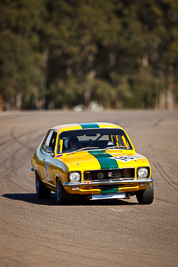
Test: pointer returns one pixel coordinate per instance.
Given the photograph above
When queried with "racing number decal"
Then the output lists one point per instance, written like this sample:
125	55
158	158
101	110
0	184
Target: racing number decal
126	158
47	170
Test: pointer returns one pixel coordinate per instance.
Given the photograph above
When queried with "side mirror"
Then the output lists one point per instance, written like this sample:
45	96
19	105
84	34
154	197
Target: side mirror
49	150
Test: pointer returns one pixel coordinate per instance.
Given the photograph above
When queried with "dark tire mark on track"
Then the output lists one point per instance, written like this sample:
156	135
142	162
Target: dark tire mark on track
165	175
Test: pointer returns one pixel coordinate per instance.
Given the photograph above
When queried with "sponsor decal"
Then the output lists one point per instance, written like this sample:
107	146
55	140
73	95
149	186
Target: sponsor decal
47	163
126	158
58	156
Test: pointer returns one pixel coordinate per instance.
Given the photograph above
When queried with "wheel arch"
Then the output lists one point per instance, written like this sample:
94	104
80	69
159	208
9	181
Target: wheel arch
37	174
58	177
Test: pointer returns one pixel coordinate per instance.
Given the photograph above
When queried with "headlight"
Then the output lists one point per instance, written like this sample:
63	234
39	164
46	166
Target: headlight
143	172
74	176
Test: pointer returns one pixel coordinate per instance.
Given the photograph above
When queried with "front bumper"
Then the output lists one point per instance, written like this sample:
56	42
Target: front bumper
107	189
111	182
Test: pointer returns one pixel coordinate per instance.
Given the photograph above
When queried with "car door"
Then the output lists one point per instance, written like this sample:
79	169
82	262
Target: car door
49	159
42	154
44	157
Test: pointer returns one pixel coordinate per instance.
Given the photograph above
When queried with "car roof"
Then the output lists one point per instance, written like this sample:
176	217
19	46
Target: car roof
80	126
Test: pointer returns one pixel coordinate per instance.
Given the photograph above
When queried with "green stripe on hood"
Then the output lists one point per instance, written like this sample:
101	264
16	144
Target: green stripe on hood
105	160
89	125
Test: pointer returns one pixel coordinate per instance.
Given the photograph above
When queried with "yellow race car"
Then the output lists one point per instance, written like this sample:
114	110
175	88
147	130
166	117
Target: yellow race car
93	160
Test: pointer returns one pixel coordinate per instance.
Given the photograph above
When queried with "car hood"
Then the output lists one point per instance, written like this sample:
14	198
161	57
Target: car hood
95	160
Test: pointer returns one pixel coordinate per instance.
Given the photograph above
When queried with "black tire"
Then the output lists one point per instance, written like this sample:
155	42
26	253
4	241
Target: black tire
146	196
61	194
41	190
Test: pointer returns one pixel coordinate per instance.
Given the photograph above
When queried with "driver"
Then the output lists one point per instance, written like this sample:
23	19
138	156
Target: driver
73	143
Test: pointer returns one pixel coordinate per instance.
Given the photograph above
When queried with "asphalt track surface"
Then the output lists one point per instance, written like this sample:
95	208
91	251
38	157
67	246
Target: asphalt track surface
100	233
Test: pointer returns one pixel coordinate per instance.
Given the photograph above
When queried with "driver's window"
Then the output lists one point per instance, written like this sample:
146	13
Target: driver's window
53	142
46	145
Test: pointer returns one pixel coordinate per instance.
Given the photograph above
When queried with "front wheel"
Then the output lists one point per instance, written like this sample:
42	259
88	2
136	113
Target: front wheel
146	196
41	190
61	194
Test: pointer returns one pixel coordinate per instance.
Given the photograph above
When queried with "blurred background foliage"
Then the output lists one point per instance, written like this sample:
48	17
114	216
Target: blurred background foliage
62	53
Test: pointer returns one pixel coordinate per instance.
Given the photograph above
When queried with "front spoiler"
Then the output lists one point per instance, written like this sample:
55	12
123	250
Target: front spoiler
111	182
108	196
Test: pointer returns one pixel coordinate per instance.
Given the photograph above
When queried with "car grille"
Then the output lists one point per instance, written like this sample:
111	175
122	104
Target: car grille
117	174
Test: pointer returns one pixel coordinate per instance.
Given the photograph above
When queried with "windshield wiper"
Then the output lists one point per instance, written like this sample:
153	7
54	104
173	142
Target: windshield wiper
112	147
81	149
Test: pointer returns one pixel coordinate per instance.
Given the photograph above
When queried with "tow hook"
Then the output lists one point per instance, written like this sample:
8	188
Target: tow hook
127	196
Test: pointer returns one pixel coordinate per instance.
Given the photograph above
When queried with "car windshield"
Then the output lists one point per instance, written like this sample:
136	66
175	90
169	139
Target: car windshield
101	139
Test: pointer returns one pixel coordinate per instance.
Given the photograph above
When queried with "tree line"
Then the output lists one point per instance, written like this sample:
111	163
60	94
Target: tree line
59	54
